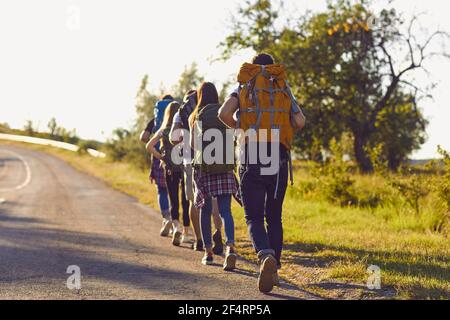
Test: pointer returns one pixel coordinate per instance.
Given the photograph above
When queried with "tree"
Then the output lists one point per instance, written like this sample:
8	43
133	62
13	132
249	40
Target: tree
29	127
145	103
52	126
344	69
189	79
405	122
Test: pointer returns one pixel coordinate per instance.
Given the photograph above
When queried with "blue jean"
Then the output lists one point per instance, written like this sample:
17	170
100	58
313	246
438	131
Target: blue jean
224	202
263	197
163	200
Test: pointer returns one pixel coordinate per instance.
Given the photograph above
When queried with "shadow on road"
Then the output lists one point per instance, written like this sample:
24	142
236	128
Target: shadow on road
29	251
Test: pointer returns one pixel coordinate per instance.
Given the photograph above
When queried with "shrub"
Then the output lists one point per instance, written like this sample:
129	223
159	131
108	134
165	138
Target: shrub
412	189
443	183
335	179
84	145
126	146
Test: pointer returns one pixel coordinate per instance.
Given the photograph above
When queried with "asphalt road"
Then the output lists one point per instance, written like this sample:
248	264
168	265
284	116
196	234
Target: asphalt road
53	216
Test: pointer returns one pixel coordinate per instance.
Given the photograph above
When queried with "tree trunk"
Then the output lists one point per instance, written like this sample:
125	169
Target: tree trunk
362	158
394	162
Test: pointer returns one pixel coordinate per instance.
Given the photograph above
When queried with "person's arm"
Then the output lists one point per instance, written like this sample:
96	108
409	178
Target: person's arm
192	138
298	120
175	135
152	144
227	111
145	136
147	132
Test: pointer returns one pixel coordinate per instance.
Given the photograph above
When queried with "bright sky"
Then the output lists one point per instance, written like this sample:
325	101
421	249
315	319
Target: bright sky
86	75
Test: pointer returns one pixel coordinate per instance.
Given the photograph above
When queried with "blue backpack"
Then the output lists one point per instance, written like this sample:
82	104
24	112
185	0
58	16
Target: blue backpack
159	110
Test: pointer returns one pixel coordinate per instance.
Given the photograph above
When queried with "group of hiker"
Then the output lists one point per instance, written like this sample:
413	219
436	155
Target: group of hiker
194	158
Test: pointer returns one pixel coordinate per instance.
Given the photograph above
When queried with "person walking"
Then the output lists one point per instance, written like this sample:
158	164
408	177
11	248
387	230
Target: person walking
211	181
264	101
181	125
157	172
173	173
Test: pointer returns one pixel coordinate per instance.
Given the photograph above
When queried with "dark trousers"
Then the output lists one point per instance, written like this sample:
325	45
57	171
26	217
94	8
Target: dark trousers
175	182
260	201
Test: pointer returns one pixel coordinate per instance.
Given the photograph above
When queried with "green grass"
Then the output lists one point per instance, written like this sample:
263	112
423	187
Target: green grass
326	243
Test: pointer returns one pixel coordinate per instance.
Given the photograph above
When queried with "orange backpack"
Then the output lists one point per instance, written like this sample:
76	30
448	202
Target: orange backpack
266	101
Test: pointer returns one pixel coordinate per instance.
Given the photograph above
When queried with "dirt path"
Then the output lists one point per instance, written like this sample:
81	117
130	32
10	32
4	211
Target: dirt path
52	216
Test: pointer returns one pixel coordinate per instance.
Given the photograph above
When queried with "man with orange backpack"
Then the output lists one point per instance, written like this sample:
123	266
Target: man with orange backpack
264	105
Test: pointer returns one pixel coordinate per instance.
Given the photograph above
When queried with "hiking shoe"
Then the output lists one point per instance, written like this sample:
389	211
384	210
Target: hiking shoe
186	238
276	279
268	266
198	246
166	227
207	260
230	262
176	240
218	243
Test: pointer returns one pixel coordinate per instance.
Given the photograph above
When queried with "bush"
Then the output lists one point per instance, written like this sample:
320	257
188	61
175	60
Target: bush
412	189
126	146
334	178
84	145
443	183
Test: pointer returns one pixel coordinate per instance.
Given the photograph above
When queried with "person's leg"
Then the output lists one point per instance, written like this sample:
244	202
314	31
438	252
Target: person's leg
217	235
184	203
164	206
172	181
163	202
274	207
216	215
224	205
205	224
193	212
172	189
253	192
195	219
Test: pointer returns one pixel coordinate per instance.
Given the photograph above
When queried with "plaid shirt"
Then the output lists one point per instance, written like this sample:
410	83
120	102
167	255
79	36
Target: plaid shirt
157	173
213	185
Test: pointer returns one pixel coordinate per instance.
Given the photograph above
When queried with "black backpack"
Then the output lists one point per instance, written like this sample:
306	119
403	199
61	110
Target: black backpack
186	109
166	152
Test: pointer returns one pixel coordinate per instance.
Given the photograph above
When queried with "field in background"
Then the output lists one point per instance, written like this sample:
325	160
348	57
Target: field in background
328	246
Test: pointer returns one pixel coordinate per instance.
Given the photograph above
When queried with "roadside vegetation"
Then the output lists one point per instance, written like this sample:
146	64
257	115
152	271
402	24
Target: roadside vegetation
333	234
357	200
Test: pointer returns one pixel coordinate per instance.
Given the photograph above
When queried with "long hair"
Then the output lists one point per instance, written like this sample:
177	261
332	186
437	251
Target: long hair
169	114
206	94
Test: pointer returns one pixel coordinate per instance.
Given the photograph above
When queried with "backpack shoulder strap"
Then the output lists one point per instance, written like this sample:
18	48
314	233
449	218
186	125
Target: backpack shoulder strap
294	106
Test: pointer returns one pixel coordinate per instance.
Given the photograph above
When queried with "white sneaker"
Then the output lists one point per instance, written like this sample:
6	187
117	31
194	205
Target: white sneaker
186	238
166	228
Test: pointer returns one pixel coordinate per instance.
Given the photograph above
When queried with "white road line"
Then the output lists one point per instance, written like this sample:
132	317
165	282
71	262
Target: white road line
27	180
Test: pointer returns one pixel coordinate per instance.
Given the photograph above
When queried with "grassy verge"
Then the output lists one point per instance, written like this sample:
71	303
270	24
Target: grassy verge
328	248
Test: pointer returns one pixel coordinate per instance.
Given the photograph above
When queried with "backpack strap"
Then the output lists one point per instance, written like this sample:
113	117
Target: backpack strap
291	169
293	100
